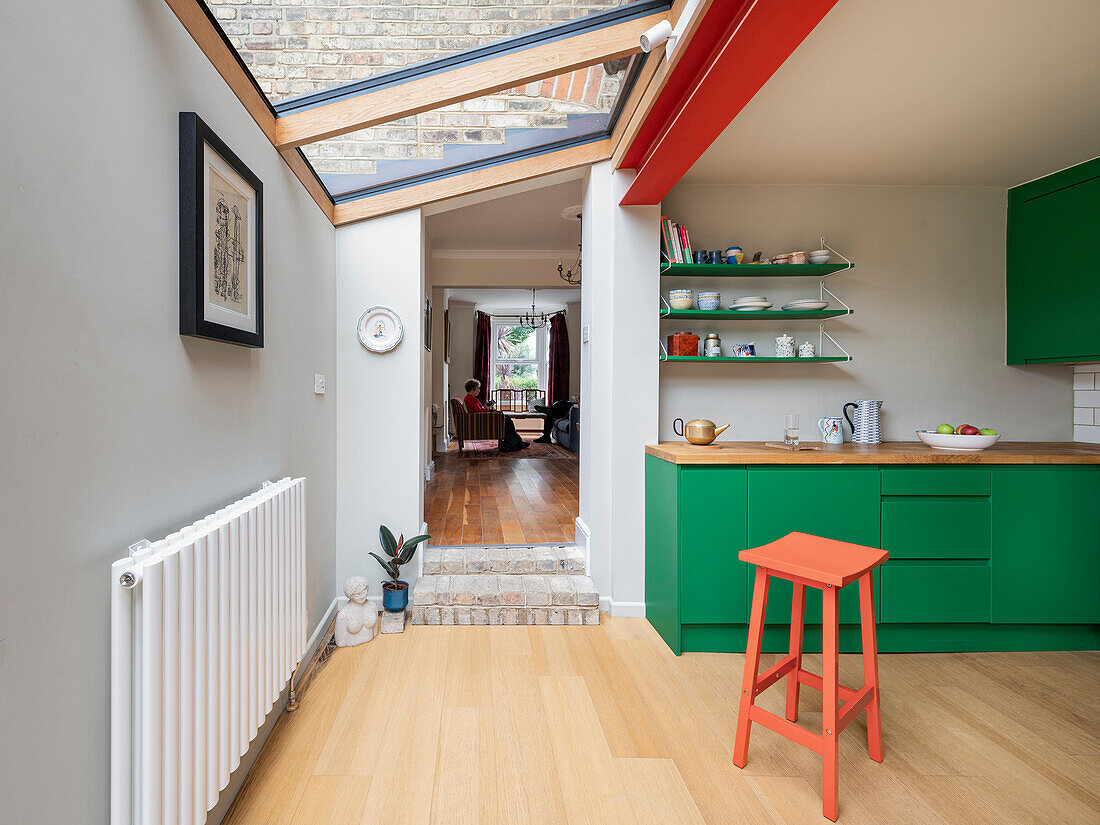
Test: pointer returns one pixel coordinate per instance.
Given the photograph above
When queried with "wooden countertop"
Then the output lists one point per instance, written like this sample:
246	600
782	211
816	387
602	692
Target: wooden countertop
892	452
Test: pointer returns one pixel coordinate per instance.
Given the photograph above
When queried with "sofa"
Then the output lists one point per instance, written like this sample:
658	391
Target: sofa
567	431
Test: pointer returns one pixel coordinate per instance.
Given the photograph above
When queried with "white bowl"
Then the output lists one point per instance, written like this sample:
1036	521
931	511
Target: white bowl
681	303
819	259
957	443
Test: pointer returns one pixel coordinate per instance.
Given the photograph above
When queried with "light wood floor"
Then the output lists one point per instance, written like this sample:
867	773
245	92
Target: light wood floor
570	726
502	500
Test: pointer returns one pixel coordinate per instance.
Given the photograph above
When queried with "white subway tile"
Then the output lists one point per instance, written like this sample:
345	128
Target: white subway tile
1083	415
1085	433
1084	380
1086	398
1086	367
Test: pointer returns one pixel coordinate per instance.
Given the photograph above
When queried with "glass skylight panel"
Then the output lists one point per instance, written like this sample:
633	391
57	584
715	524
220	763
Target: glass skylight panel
300	47
566	110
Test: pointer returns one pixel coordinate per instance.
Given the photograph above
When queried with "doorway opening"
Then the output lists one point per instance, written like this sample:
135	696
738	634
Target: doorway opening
512	322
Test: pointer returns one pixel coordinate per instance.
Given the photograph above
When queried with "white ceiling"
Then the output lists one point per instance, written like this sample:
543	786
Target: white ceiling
935	92
516	300
528	221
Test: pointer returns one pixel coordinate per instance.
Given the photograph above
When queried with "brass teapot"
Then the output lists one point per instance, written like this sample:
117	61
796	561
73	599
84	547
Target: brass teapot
698	431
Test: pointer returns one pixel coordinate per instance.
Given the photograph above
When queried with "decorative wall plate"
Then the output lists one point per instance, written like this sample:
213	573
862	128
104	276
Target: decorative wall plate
380	329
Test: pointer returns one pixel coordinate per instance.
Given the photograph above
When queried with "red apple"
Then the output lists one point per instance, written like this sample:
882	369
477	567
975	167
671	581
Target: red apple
968	430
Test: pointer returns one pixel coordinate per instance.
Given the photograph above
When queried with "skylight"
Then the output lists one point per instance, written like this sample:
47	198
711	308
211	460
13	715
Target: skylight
566	110
305	54
298	47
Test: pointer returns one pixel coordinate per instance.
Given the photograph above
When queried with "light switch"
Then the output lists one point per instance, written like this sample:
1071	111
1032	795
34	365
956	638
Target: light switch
585	330
318	384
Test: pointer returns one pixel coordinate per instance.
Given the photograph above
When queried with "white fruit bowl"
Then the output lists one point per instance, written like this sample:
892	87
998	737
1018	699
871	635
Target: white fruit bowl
955	442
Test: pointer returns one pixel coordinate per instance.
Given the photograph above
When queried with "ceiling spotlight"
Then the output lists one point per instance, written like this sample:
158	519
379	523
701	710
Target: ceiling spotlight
656	36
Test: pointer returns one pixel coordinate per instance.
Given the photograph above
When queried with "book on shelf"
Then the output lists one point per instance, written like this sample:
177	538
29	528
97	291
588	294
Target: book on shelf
675	242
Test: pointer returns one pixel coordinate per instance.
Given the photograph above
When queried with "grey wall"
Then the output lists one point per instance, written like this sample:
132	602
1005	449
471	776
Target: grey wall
112	427
462	348
573	327
928	331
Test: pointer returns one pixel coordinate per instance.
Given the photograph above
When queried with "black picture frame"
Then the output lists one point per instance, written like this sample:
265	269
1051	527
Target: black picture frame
194	136
427	322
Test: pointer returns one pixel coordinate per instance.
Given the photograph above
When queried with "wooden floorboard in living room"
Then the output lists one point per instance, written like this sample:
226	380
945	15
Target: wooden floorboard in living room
475	501
605	726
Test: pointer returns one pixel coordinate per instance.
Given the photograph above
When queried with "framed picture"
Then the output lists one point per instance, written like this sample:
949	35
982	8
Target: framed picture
221	240
446	336
427	322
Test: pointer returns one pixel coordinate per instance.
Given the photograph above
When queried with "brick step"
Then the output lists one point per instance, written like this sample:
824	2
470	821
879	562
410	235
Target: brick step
555	559
487	598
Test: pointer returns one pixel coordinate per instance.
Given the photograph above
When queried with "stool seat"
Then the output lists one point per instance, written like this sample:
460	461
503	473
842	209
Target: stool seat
815	559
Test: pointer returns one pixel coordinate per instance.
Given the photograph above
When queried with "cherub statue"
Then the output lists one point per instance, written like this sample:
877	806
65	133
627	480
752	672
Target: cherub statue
357	621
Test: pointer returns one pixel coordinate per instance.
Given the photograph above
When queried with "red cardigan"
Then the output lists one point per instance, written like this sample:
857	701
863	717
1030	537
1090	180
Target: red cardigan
473	404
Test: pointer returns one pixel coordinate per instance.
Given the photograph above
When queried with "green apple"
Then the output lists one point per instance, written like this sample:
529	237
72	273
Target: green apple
945	429
986	431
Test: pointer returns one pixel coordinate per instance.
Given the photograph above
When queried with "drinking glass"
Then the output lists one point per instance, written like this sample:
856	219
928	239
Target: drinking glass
790	430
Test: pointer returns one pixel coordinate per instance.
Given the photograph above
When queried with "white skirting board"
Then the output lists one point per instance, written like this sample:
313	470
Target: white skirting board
626	610
582	537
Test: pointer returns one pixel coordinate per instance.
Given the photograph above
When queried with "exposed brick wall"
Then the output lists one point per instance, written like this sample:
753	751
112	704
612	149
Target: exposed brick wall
294	47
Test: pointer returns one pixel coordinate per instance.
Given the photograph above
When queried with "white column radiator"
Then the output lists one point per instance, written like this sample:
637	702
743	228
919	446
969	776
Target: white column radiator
207	626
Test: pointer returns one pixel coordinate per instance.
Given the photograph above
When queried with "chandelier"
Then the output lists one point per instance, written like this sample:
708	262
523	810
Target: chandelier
571	276
534	319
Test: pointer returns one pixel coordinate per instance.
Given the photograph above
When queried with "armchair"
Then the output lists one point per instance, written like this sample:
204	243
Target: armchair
482	426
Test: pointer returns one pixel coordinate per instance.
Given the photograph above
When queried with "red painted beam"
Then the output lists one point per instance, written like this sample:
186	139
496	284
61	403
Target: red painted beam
754	45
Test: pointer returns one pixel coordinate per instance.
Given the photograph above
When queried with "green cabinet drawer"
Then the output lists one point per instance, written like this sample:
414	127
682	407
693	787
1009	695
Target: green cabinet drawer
714	586
935	481
834	502
935	593
936	528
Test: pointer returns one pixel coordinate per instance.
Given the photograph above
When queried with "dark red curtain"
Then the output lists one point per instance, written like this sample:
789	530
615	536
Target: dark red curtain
558	389
483	329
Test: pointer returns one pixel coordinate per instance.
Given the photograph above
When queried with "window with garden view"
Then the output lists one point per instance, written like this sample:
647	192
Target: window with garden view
520	357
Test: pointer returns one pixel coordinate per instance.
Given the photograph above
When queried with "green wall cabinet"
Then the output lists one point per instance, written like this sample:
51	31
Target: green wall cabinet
981	558
1053	249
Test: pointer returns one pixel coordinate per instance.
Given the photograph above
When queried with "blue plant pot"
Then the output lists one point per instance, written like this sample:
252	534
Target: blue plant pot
396	600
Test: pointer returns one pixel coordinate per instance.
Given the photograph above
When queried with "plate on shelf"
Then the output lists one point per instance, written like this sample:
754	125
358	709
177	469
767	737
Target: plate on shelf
751	299
756	306
805	305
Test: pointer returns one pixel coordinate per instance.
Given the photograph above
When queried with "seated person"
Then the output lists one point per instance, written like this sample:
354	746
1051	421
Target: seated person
554	413
512	442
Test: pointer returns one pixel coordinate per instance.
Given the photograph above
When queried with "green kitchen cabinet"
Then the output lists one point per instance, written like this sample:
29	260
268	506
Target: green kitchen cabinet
1053	250
833	502
1046	540
662	548
714	587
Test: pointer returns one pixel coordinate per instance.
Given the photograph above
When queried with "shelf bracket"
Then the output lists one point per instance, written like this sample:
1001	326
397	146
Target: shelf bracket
668	307
822	335
846	260
826	291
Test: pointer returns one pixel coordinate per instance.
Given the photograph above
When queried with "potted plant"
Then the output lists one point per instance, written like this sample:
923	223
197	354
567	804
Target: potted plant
395	594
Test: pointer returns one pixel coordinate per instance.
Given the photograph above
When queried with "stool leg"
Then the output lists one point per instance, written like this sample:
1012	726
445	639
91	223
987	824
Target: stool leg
798	613
752	667
870	664
830	642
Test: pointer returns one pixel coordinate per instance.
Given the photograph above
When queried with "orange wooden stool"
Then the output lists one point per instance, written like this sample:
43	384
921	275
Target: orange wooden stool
810	561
